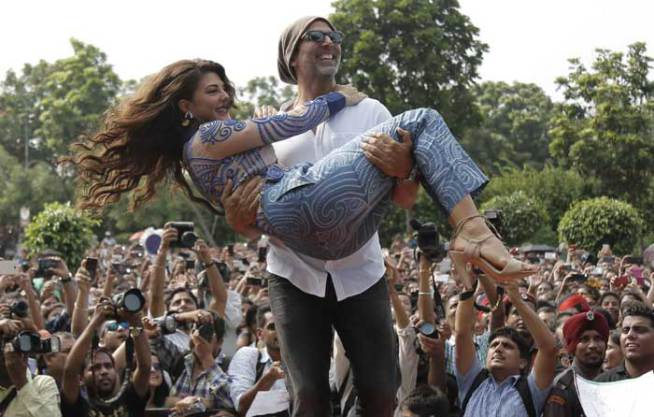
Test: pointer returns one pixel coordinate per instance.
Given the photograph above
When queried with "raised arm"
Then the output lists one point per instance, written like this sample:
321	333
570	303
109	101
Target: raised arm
425	297
465	318
215	280
234	137
545	362
158	274
80	315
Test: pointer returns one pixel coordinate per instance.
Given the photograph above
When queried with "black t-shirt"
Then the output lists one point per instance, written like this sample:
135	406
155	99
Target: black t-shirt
129	404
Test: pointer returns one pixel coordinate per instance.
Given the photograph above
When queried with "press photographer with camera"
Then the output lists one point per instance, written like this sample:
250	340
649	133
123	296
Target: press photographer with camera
200	381
182	300
22	395
106	396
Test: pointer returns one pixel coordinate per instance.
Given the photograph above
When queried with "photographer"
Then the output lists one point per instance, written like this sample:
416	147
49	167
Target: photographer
254	370
182	300
200	381
105	397
21	394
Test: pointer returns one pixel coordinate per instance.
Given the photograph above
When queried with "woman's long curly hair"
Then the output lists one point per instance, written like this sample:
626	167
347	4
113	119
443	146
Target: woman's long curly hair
142	139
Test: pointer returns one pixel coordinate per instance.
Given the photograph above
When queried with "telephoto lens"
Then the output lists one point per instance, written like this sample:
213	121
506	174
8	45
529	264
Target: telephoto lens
428	330
131	301
30	342
167	324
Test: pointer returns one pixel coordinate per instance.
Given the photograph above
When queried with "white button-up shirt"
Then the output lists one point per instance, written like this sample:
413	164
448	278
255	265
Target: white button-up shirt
358	272
243	371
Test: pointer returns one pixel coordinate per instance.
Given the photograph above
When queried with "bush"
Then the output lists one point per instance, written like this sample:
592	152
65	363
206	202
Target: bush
522	216
590	223
556	188
62	228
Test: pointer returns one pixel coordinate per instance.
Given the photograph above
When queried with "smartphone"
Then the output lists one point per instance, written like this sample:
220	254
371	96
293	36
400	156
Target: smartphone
92	267
579	277
263	251
634	260
9	268
254	281
190	264
550	256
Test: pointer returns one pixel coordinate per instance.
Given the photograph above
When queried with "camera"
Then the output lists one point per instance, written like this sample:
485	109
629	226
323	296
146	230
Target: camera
206	331
44	264
30	342
428	240
167	324
131	301
494	217
186	236
257	281
428	330
19	309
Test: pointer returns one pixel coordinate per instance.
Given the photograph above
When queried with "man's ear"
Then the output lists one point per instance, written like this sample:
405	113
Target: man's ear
184	105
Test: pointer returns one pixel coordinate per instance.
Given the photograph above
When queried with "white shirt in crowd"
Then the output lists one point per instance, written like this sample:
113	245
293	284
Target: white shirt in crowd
243	371
358	272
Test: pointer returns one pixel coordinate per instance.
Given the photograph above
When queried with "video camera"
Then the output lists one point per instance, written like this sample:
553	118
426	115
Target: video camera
31	342
167	324
19	309
428	240
186	236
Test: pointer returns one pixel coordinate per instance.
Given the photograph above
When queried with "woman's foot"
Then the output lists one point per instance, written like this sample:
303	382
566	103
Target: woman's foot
486	251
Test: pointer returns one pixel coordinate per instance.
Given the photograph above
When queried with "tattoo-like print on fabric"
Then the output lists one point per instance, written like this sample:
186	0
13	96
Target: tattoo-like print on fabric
331	209
284	125
219	130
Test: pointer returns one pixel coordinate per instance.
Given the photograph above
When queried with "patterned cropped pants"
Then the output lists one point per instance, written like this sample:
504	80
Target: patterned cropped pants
329	209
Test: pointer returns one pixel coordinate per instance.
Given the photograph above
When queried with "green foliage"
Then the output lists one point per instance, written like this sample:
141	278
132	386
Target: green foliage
411	53
522	216
514	123
555	188
261	91
590	223
604	127
62	228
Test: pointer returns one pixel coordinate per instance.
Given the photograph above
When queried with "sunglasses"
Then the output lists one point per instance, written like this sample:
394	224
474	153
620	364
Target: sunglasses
113	326
318	36
156	367
270	327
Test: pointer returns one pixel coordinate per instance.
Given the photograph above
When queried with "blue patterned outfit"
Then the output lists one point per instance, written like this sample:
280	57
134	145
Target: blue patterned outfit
329	209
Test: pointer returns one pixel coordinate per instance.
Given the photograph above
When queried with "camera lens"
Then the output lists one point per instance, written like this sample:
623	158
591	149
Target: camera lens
133	301
188	239
427	329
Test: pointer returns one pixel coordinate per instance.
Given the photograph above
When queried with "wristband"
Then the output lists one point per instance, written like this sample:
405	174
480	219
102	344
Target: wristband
466	295
209	264
429	293
135	331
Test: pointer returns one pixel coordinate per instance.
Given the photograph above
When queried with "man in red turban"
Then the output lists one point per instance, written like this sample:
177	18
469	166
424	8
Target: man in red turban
586	335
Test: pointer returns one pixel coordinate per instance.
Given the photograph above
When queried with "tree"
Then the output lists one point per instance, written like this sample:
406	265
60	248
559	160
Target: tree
522	216
411	53
514	124
262	91
604	127
591	223
62	228
56	101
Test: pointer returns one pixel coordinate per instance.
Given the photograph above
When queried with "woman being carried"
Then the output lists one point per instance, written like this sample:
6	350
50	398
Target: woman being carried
178	121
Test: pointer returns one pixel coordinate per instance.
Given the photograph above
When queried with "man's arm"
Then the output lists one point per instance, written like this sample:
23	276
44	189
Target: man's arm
215	280
241	206
545	362
497	316
25	282
425	297
141	376
158	274
401	318
464	321
80	314
75	360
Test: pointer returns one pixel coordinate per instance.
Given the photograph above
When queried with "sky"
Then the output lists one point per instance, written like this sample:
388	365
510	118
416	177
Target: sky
529	40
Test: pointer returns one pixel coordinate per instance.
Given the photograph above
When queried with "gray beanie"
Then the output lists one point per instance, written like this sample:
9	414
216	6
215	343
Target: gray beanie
288	42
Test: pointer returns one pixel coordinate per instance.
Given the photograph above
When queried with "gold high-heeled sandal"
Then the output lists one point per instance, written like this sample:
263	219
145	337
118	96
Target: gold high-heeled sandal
471	252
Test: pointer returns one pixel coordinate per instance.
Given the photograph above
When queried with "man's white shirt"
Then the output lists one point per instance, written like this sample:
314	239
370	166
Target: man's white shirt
358	272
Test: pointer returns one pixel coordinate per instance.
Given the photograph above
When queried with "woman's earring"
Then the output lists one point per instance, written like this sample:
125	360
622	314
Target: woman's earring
188	116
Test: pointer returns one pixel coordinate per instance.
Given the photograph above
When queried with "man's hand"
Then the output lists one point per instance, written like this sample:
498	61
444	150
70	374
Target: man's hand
61	270
274	373
10	328
16	364
202	251
431	346
185	404
241	205
152	330
391	157
83	279
169	235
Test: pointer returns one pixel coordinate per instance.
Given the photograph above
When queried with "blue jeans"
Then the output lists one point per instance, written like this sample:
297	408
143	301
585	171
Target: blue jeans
328	210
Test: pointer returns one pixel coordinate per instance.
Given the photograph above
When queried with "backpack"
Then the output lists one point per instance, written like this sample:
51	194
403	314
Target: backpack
522	386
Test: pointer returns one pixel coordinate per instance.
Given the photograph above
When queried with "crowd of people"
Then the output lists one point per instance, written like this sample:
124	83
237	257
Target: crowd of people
189	331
